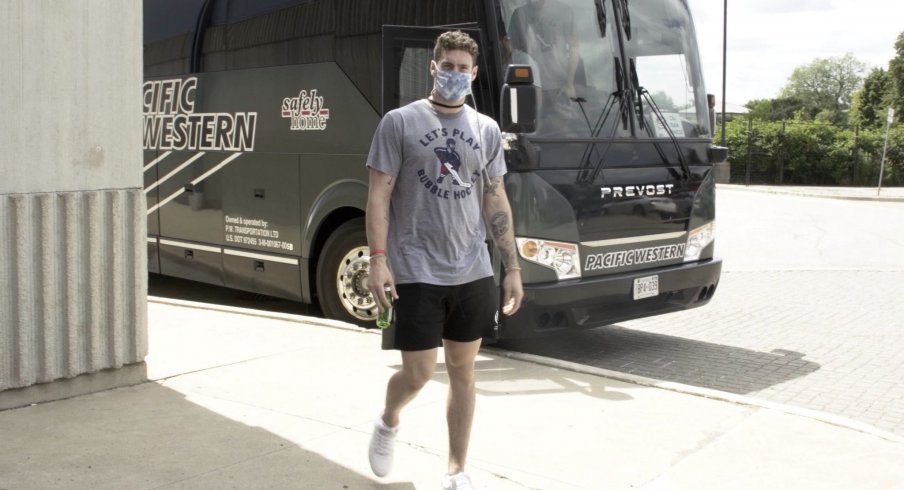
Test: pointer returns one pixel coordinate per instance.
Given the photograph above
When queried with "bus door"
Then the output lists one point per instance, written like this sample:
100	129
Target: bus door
407	52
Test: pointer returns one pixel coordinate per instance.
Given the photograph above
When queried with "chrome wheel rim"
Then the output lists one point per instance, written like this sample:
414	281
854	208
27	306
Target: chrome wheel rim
351	285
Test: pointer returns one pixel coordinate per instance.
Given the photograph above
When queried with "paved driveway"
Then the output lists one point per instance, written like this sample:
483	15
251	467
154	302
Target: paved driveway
808	312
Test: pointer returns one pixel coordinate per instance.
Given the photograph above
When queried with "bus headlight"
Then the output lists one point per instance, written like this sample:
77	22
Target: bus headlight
563	258
697	240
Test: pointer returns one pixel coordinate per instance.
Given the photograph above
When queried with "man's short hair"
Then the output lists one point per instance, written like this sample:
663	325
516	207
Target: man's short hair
452	40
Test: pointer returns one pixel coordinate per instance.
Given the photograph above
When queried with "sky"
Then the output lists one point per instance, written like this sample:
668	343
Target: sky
768	39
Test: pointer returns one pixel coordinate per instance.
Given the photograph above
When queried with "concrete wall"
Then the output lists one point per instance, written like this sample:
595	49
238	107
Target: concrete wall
73	279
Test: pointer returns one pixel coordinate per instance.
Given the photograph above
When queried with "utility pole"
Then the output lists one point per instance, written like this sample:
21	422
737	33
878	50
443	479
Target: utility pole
749	142
781	155
888	120
724	59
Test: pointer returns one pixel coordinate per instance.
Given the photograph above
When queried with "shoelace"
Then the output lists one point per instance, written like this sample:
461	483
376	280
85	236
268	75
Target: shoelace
384	442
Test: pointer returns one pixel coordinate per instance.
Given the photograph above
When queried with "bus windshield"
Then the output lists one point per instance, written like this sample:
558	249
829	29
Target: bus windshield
661	44
572	47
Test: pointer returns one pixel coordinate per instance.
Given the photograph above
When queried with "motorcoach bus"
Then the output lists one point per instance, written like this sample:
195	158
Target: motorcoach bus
258	115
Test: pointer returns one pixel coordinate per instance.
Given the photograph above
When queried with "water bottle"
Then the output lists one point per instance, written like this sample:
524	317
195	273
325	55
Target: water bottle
384	319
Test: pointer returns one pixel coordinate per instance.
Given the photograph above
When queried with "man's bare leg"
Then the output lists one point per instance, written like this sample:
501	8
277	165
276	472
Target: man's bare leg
460	405
403	386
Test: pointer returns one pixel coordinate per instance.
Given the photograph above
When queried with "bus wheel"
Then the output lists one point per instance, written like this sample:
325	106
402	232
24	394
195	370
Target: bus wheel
342	272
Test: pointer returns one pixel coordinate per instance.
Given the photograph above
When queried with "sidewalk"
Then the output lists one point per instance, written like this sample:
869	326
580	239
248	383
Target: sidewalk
886	194
247	400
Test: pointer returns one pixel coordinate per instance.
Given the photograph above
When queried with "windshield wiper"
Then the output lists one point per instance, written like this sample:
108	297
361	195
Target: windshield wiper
601	16
619	95
626	19
644	94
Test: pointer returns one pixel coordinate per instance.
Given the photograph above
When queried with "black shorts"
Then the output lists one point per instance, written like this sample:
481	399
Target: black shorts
425	314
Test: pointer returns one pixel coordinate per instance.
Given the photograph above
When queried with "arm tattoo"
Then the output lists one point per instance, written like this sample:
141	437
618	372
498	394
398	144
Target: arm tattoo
499	225
511	258
493	186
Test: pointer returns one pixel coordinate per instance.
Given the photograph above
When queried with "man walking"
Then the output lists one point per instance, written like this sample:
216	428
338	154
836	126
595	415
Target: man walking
427	244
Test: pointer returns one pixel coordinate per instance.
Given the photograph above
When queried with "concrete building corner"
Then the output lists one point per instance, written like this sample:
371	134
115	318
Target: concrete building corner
73	309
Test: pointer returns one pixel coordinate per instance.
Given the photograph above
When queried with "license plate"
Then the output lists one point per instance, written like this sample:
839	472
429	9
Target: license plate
646	287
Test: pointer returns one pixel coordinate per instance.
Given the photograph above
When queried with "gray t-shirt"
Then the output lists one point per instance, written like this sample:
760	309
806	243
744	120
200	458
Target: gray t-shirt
436	230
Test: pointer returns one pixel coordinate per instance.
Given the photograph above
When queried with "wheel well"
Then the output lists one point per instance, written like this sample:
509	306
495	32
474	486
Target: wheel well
327	227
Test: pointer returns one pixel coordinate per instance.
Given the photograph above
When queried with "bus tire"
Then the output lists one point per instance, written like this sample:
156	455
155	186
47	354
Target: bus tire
342	271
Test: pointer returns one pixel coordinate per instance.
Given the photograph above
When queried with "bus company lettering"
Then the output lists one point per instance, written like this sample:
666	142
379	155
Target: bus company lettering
170	121
172	96
636	256
255	232
637	190
306	112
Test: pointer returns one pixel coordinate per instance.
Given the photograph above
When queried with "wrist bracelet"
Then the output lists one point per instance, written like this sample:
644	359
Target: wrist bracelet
377	251
512	268
377	255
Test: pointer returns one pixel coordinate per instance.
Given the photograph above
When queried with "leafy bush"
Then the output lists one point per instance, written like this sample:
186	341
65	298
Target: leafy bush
807	153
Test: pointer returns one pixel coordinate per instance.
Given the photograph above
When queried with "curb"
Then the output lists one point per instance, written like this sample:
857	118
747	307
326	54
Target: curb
288	317
824	417
799	192
724	396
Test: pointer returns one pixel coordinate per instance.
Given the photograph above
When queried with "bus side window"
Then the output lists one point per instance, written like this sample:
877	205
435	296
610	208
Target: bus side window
169	30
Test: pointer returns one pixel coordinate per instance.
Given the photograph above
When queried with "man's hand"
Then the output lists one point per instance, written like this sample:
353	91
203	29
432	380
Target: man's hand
378	278
377	221
512	293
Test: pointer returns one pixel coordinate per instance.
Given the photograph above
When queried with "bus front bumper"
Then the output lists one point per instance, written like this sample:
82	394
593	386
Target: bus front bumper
551	308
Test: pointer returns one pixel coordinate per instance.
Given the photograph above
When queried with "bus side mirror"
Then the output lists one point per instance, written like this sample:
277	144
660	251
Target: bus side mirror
717	154
519	100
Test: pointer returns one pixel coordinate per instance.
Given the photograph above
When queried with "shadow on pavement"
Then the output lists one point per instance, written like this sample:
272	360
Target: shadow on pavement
184	289
497	377
656	356
149	436
667	358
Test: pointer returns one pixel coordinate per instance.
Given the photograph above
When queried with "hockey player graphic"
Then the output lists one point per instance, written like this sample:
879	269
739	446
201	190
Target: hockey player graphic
450	162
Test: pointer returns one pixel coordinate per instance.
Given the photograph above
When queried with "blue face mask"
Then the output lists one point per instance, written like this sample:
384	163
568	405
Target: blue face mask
452	85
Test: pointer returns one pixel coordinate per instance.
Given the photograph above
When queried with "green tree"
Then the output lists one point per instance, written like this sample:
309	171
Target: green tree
826	84
873	99
778	109
664	101
896	73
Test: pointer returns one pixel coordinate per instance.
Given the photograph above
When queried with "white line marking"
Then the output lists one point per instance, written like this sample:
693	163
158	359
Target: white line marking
271	258
156	161
190	246
194	182
218	167
174	172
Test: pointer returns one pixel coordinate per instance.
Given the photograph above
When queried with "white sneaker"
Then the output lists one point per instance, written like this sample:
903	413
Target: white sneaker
458	481
382	443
